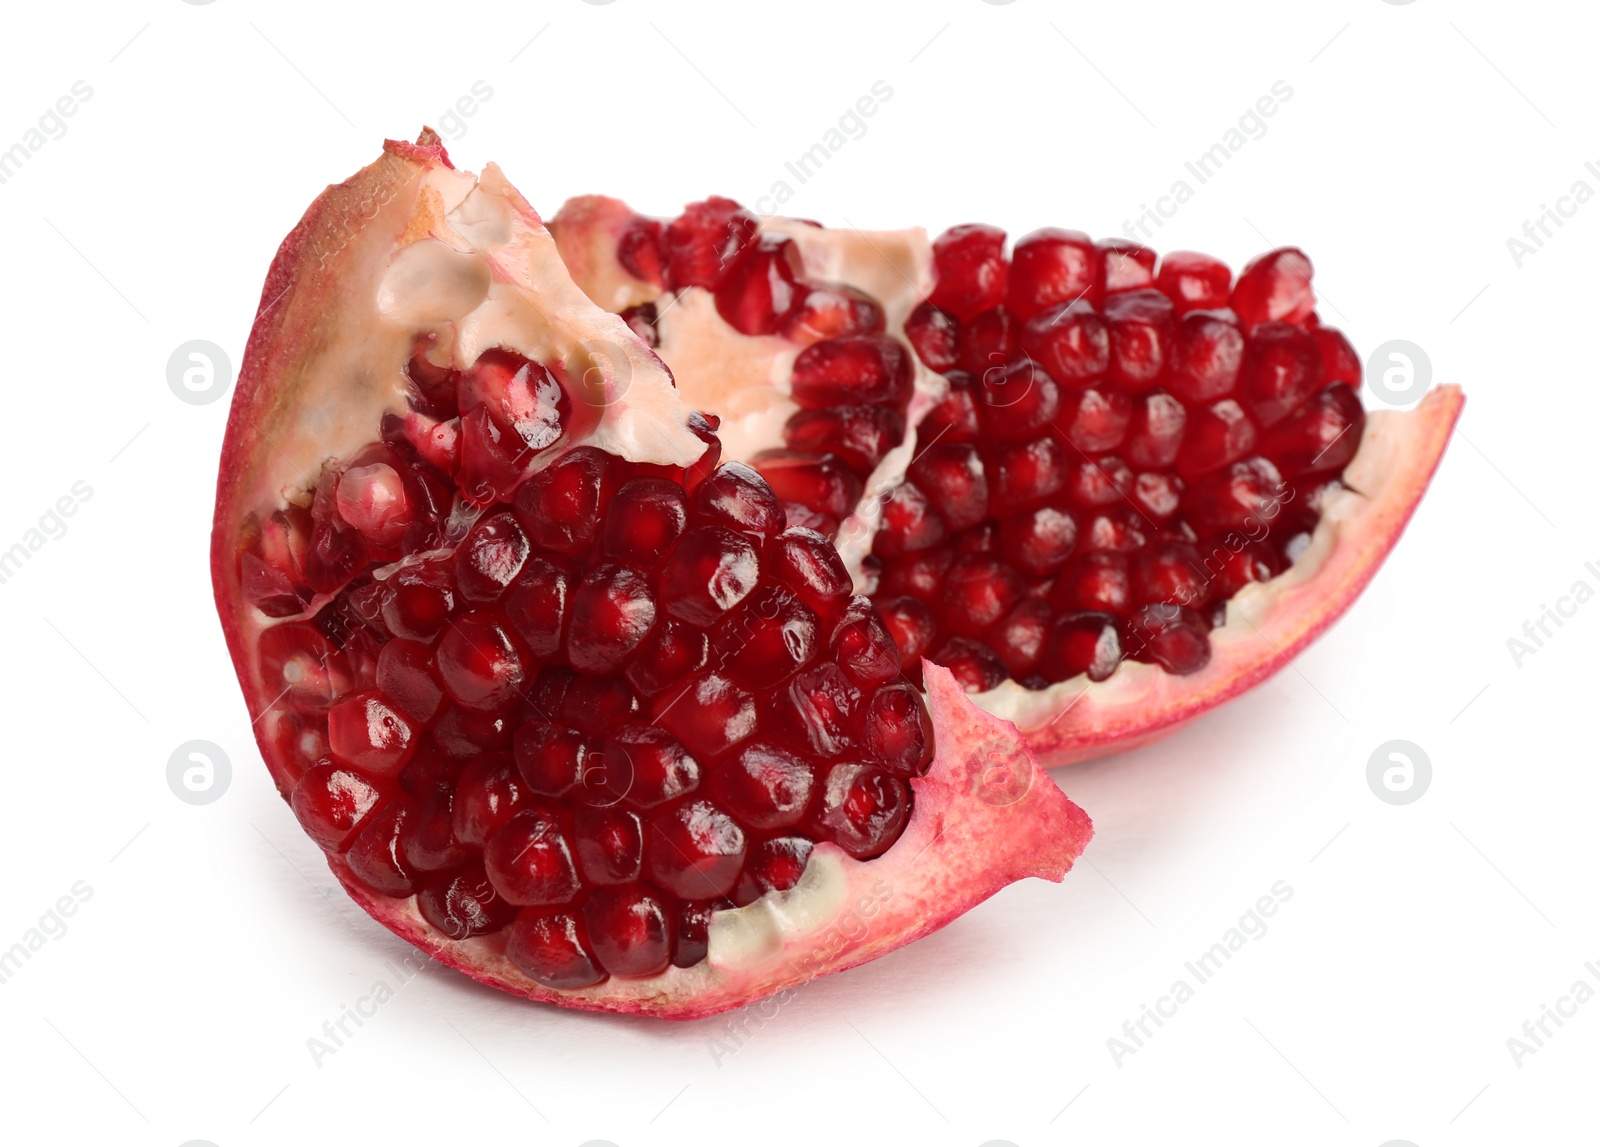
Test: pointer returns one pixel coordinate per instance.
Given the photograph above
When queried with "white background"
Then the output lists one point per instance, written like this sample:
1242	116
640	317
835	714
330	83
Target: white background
1418	939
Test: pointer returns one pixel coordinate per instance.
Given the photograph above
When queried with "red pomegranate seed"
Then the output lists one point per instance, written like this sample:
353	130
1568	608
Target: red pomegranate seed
694	850
406	676
764	786
712	570
1155	431
775	865
1023	474
463	732
302	666
1247	496
268	588
490	557
1170	636
554	760
760	290
646	766
909	523
1071	341
644	521
935	335
862	646
1234	563
1038	542
951	475
815	711
984	539
639	250
1157	495
671	652
1101	582
1089	643
630	930
331	804
975	666
529	859
1170	571
1194	281
859	435
954	418
739	498
609	843
820	481
1052	266
1119	529
537	606
1128	266
862	809
1338	358
1275	287
715	713
370	734
920	575
1280	371
978	591
1142	327
464	904
372	500
1322	437
805	561
418	599
375	855
827	311
488	793
597	704
898	732
1019	637
613	608
1217	435
552	949
1018	402
988	341
1096	482
970	263
511	410
766	638
705	240
912	625
428	838
858	369
560	506
1095	419
479	662
1207	356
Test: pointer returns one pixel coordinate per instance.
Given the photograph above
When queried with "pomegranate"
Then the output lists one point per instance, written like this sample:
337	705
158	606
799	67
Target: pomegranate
1108	491
566	703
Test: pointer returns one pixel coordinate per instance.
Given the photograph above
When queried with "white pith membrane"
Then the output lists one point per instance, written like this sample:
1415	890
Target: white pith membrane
1267	622
411	245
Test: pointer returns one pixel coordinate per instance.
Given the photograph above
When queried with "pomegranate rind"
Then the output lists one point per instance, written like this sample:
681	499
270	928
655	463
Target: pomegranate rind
1269	623
985	815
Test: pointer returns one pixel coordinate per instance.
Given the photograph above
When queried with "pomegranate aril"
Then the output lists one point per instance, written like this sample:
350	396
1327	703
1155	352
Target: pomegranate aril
644	520
1275	287
935	335
1171	636
1215	436
268	588
596	704
537	606
511	410
897	732
529	859
709	713
757	293
912	625
301	667
862	809
815	711
490	557
988	341
1143	327
705	240
1051	266
694	850
1070	340
613	608
1096	482
1170	571
970	263
1322	437
1246	496
1155	432
1101	582
703	427
860	435
552	949
820	481
335	551
712	570
479	662
560	506
332	802
1281	370
372	500
369	733
764	786
639	250
737	497
1018	638
775	865
951	475
1119	529
428	837
1338	358
804	560
1157	495
645	766
826	311
1128	266
920	575
975	666
1038	542
489	792
671	652
464	904
609	843
461	732
1096	418
1234	563
862	646
630	930
418	599
978	591
908	523
855	370
375	855
1194	281
765	639
954	418
553	759
691	941
1017	402
1088	643
1023	474
406	676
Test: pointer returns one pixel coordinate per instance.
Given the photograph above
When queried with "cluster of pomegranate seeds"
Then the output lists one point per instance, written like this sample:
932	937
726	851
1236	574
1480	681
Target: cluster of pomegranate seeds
577	702
852	383
1122	447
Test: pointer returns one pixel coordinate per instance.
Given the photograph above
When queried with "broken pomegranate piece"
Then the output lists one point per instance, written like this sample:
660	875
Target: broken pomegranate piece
567	703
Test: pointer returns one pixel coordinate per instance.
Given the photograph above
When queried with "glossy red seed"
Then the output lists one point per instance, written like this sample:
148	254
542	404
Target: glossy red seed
912	625
775	865
737	497
1338	358
694	850
464	904
479	662
821	482
1322	437
1051	266
511	411
406	676
537	606
489	792
862	810
1096	418
609	843
975	666
644	520
1281	370
691	941
1216	435
1207	356
858	369
369	733
1089	643
1194	281
645	766
613	608
1038	542
712	570
978	591
428	837
935	335
1101	582
1170	636
560	506
1024	474
709	713
552	759
1247	495
552	949
1157	495
988	342
332	802
1018	402
529	860
970	264
417	599
1170	571
860	435
762	287
597	703
639	250
805	561
1071	341
490	557
1233	563
1143	327
630	930
705	240
918	575
770	635
897	733
815	711
1120	529
909	523
1128	266
951	475
463	732
673	650
764	786
954	418
1019	637
1095	482
375	855
862	646
1275	287
1155	431
828	311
